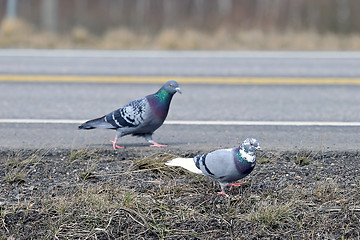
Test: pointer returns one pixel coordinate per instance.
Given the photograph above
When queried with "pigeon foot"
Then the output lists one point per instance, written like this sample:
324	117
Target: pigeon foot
223	193
155	144
235	185
115	146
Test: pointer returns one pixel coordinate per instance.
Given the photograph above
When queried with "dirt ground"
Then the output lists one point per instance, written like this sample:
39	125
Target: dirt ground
131	194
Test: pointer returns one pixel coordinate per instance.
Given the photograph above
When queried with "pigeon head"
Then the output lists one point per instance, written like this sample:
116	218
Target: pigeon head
171	87
250	145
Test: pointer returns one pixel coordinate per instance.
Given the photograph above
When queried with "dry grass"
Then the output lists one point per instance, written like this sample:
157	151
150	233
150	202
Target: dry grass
104	196
272	214
18	165
19	34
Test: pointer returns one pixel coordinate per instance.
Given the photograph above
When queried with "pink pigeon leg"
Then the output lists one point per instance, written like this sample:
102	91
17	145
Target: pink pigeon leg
235	185
222	193
155	144
115	146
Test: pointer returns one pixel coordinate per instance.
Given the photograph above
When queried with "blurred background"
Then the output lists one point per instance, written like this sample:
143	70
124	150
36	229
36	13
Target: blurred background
181	24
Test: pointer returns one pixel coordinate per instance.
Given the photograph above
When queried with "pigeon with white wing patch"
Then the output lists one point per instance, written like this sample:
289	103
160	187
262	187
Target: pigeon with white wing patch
140	117
224	165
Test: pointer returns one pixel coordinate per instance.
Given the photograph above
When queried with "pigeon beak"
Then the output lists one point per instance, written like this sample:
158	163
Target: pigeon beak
258	148
178	90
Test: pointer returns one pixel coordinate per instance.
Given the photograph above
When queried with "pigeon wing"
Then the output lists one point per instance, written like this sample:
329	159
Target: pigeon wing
218	164
131	115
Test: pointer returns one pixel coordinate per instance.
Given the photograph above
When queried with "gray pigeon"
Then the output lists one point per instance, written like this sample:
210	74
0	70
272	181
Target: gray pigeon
140	117
225	165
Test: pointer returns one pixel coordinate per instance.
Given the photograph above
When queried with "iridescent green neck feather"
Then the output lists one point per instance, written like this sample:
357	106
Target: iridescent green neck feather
240	157
162	95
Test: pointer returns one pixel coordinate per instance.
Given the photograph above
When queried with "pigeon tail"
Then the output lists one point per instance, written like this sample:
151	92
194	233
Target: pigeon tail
187	163
96	123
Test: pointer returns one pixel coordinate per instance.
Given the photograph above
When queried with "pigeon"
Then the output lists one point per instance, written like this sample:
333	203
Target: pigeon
140	117
224	165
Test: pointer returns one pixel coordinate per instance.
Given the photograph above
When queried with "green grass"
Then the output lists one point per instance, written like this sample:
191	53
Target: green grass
80	155
18	165
15	176
272	214
87	174
302	158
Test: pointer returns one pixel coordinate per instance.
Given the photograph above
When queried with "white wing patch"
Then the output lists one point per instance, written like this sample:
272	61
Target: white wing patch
187	163
113	117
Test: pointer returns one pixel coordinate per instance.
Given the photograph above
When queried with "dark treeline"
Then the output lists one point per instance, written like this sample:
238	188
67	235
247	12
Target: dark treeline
337	16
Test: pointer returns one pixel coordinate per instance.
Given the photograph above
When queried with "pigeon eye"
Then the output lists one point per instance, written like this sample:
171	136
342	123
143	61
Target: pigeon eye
251	144
170	85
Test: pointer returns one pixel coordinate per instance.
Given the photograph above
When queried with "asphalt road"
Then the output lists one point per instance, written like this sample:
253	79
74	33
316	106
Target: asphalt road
173	63
199	102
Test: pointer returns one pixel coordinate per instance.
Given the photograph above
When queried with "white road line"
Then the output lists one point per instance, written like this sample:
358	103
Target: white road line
268	123
48	121
185	122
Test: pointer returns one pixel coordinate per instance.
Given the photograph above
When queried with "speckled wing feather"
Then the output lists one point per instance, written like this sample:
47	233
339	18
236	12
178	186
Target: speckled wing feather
131	115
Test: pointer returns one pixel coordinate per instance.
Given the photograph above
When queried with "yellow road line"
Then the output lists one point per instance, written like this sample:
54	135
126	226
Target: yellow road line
191	80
